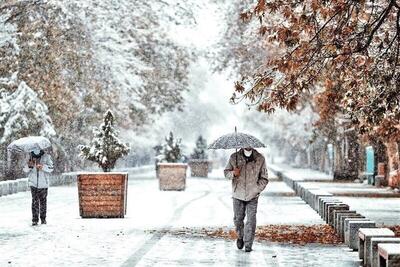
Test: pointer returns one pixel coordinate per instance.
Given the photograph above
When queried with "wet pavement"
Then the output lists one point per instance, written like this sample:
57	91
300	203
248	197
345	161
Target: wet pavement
172	251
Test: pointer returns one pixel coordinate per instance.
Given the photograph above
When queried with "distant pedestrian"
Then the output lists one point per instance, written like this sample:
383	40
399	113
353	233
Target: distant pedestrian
248	171
39	165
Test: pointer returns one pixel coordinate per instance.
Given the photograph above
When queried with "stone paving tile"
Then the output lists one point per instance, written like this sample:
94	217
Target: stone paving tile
174	251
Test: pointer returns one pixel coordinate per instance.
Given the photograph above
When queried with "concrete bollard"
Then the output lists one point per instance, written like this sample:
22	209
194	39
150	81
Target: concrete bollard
311	195
323	203
350	217
351	231
364	242
345	225
317	196
337	214
389	255
326	209
374	259
332	209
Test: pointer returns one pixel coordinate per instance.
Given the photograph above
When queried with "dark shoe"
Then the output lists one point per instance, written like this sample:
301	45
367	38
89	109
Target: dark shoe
239	243
34	223
247	249
44	221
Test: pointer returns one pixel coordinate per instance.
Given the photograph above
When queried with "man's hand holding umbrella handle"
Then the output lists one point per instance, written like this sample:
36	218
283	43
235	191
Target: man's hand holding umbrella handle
31	164
236	172
39	166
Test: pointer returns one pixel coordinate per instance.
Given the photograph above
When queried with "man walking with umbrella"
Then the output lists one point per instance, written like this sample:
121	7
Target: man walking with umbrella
249	175
248	172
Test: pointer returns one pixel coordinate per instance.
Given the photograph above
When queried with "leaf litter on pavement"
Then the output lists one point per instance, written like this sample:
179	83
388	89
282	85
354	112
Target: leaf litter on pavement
292	234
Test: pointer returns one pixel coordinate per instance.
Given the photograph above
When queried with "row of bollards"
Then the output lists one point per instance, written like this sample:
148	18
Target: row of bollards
376	246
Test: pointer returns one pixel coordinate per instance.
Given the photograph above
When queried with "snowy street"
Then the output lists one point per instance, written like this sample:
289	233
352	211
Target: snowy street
140	238
123	122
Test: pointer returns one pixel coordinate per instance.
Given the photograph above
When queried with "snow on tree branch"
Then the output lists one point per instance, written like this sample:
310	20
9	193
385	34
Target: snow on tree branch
105	148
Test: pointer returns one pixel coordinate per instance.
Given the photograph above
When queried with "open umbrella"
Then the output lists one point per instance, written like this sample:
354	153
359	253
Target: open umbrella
236	141
27	144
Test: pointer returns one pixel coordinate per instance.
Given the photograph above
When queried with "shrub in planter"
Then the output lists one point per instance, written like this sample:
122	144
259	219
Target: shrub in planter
171	172
199	163
103	194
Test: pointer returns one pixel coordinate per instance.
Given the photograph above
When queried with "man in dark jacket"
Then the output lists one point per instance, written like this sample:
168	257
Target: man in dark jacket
248	171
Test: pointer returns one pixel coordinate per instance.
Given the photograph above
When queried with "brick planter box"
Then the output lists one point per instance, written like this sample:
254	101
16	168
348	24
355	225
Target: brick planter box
172	176
199	168
102	194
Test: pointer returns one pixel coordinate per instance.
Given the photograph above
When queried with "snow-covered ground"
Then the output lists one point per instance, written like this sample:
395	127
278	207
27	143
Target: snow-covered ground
381	205
301	173
68	240
384	211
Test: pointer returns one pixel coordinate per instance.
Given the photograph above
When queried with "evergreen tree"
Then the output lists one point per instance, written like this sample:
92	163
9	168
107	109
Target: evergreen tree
172	149
158	149
200	151
105	148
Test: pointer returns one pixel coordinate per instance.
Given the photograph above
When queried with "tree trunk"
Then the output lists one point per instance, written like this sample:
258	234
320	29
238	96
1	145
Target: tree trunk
393	156
338	161
323	153
353	155
380	155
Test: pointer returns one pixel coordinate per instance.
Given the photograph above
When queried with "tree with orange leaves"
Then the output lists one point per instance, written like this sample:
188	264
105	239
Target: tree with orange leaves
343	54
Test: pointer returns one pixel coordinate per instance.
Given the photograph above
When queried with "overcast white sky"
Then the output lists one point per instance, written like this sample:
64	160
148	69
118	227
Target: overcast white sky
219	87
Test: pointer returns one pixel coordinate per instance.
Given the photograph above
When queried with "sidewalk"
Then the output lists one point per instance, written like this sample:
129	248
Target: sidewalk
141	240
379	204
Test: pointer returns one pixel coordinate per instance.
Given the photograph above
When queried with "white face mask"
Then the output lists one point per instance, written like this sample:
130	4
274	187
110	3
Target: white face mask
36	151
248	153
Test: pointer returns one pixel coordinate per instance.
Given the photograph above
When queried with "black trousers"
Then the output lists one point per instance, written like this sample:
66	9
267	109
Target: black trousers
39	203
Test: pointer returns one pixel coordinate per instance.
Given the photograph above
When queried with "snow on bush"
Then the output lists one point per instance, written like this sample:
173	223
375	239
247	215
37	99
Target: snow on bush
22	113
8	34
172	149
200	151
105	148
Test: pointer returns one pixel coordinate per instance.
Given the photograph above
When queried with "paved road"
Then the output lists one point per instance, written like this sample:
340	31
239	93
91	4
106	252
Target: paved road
69	240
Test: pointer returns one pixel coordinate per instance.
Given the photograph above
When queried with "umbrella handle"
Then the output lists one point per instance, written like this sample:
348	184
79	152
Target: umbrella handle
236	148
237	159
